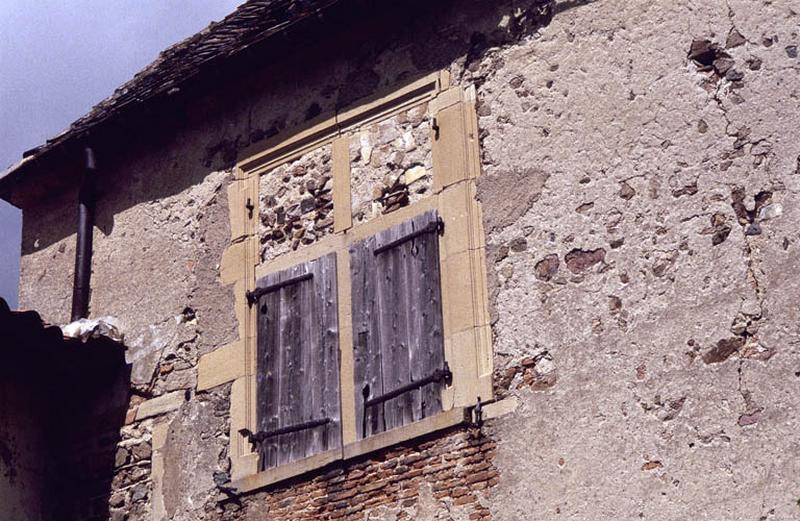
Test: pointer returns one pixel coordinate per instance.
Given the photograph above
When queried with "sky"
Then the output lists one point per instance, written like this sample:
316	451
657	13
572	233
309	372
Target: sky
58	58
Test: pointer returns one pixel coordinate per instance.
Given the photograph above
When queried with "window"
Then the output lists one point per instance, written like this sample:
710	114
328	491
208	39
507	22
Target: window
357	262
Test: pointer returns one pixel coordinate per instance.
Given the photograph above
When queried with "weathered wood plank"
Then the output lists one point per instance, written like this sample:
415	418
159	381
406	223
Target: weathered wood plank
329	353
397	320
268	312
394	300
375	310
303	382
403	339
386	321
366	327
431	337
275	311
358	313
414	275
299	359
287	336
268	373
325	388
313	407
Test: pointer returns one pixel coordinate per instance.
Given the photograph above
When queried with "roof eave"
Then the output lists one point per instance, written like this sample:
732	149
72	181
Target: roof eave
7	176
80	128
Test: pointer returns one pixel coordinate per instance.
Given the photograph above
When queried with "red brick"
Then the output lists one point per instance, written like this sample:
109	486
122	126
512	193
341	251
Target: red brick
463	500
375	485
408	492
488	445
413	474
345	494
455	465
478	476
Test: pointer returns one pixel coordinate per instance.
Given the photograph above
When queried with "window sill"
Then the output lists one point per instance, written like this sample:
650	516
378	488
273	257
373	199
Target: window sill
441	421
284	472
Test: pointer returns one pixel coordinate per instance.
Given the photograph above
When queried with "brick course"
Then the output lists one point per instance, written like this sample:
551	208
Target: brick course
450	472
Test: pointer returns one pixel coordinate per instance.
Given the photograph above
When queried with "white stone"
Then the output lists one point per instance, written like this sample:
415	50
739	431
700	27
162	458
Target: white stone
160	405
366	147
771	211
413	174
408	141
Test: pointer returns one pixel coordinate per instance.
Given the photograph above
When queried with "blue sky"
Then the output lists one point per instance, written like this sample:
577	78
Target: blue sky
60	58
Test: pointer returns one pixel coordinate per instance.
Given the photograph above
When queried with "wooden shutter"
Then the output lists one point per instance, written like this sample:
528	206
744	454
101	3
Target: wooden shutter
298	362
397	323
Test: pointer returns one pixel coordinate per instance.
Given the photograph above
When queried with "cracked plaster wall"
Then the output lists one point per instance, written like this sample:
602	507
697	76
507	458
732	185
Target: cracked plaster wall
642	225
650	332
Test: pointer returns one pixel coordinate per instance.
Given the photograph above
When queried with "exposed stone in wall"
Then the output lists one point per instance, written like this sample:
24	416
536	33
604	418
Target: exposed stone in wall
649	283
132	484
155	269
196	458
445	476
391	164
296	203
521	188
193	465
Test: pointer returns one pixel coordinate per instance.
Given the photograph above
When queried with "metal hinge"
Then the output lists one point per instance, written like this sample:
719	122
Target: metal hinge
433	226
439	375
253	296
443	375
477	413
258	437
250	207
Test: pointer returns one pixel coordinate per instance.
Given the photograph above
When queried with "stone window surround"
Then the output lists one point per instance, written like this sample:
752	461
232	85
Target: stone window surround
467	333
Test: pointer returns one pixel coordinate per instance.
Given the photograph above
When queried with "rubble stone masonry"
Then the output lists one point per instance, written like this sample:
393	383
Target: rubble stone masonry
296	203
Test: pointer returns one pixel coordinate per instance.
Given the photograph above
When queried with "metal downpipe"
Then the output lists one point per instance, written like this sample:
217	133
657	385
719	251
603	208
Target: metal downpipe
83	251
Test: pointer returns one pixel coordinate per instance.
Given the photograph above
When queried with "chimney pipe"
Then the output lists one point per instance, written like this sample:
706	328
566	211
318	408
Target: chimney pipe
83	250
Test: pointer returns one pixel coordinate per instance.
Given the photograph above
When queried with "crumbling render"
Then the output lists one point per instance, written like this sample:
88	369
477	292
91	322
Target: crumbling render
84	329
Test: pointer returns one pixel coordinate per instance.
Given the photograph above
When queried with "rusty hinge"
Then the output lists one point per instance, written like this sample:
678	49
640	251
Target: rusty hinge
433	226
260	436
443	375
477	413
439	375
253	296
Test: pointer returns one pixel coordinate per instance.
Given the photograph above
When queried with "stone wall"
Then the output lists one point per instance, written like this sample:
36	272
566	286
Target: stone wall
639	190
296	203
391	164
643	302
